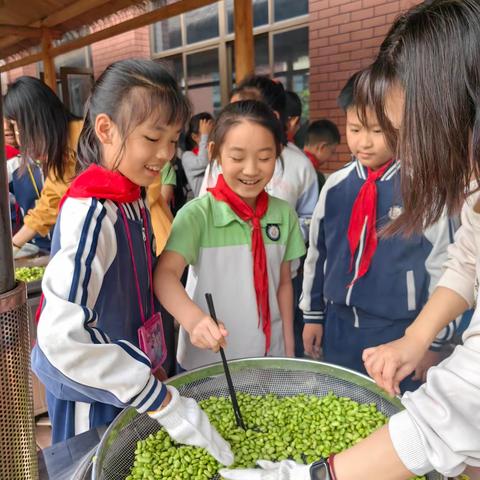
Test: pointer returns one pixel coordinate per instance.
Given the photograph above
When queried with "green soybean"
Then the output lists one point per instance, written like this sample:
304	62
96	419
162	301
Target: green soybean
303	428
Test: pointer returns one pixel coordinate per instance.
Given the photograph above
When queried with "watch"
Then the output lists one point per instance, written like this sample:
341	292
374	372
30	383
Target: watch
320	470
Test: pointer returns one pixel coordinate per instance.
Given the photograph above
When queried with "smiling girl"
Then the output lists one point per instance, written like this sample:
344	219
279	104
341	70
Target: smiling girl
98	289
239	242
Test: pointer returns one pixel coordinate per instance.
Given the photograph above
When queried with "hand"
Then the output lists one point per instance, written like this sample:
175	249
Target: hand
284	470
187	423
389	364
312	339
430	359
205	127
207	334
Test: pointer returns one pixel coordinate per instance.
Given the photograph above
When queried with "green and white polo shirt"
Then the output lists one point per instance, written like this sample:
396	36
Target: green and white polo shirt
217	245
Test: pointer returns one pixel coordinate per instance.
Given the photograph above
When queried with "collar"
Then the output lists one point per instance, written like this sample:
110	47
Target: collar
388	175
223	215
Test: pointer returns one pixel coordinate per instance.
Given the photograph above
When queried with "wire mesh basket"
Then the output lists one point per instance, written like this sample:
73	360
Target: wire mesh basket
256	376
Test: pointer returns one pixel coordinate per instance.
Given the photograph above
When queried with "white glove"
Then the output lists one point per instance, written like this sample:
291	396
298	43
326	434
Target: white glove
284	470
187	423
16	250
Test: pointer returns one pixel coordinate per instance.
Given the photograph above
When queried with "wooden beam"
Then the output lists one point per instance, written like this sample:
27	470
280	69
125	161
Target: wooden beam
48	64
20	31
168	11
73	10
244	47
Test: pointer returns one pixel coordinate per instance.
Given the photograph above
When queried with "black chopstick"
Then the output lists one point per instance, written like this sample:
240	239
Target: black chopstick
233	396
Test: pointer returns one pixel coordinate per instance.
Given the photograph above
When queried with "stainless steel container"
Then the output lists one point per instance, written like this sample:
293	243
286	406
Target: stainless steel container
257	376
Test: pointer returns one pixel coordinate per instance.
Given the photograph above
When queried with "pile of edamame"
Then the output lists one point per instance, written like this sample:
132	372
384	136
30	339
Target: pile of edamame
303	428
29	274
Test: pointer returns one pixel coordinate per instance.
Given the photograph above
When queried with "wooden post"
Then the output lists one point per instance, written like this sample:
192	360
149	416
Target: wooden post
244	51
50	77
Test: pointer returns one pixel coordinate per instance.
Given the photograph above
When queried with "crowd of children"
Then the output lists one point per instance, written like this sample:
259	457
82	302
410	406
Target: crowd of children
256	200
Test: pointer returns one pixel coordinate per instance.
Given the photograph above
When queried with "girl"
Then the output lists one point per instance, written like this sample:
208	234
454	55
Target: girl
46	131
195	157
235	235
294	179
98	285
439	143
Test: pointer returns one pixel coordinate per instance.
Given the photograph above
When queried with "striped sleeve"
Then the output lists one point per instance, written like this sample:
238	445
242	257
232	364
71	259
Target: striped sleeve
72	353
312	302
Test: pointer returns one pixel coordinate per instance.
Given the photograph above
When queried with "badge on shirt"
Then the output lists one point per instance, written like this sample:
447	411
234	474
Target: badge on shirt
394	212
273	232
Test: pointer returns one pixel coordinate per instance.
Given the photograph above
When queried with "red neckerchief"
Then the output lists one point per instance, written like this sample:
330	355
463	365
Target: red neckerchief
195	150
313	159
98	182
364	211
11	152
224	193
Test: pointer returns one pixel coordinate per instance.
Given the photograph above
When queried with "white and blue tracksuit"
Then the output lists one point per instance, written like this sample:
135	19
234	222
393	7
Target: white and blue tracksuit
87	351
25	192
403	272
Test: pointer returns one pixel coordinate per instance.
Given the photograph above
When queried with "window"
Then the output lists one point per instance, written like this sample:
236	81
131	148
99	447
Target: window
260	13
285	9
203	81
291	65
174	64
167	34
202	23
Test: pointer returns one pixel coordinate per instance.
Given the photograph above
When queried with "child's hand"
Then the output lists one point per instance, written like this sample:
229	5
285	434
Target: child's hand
430	359
389	364
206	334
312	339
205	127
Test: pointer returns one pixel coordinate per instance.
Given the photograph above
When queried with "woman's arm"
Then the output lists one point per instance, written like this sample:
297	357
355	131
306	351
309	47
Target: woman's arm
202	329
285	304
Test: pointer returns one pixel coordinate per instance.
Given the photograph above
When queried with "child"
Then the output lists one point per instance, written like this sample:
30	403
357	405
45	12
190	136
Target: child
321	141
235	235
294	180
98	284
360	290
195	156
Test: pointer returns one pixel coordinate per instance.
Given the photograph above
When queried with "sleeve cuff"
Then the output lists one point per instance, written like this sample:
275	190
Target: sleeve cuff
151	397
408	444
314	317
37	227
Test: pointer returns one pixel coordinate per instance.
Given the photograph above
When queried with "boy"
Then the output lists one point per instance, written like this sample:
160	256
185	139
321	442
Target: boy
321	142
360	289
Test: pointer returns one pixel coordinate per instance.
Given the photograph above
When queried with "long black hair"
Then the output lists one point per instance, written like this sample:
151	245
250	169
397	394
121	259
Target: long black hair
42	121
432	56
130	92
193	127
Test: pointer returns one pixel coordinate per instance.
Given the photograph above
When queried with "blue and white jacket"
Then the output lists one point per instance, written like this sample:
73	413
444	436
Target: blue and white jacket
403	272
87	346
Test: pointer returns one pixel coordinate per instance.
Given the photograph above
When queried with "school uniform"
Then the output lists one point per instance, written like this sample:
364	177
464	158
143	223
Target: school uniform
87	353
26	186
294	180
360	309
216	243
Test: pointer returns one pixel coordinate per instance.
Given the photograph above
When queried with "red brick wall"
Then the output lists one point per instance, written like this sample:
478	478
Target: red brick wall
135	43
344	37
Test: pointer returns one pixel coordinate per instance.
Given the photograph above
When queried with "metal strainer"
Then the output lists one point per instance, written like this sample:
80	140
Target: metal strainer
257	376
